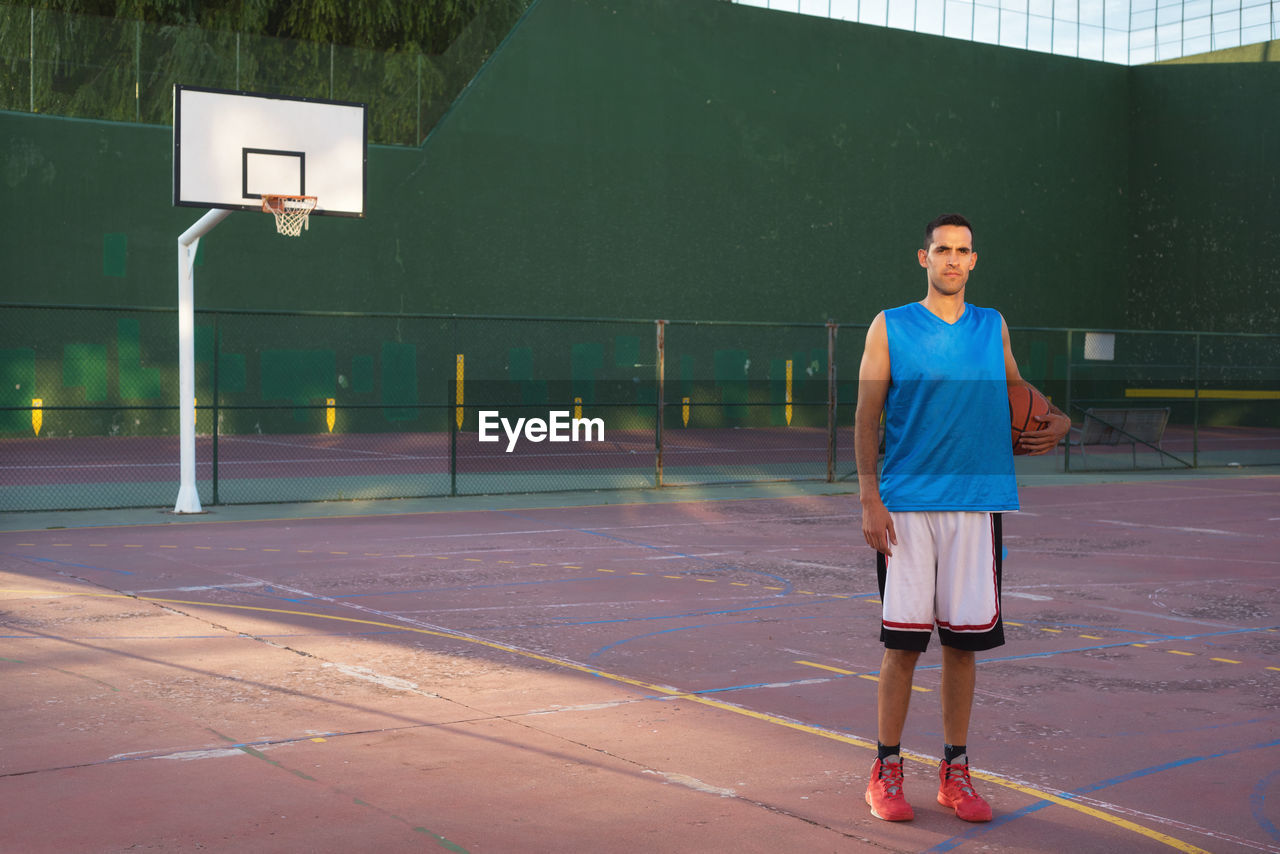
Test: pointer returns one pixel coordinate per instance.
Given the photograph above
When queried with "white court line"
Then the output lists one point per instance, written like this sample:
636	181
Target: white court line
1175	528
1217	496
253	440
598	528
192	589
1145	555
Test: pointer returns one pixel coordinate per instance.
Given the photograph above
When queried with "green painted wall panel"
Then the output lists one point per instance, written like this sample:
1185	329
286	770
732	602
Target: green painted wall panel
399	379
1206	143
701	159
138	381
17	387
84	366
115	254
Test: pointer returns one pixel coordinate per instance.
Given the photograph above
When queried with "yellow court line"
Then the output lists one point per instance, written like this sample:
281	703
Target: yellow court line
673	693
859	675
1205	393
827	667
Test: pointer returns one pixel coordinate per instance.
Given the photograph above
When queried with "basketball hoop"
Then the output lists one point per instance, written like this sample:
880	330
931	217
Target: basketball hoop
291	212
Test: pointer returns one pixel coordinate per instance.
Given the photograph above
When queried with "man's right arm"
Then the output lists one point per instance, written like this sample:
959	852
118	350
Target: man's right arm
873	387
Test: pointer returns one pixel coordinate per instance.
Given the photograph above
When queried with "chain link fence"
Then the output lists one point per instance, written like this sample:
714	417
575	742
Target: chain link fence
313	406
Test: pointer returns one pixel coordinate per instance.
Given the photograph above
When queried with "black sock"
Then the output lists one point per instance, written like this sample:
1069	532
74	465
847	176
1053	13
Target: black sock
885	751
952	752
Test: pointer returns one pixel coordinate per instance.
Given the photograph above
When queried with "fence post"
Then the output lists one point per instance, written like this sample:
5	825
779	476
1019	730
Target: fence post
216	358
1195	414
137	72
453	434
1066	455
831	401
661	369
31	59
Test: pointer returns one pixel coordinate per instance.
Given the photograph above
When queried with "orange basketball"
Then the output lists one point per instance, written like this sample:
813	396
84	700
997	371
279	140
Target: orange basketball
1024	404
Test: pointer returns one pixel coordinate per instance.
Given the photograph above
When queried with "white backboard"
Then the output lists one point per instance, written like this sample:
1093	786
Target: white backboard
231	148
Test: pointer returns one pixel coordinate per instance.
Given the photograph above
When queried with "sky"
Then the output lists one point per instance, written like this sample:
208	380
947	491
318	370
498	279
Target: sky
1127	32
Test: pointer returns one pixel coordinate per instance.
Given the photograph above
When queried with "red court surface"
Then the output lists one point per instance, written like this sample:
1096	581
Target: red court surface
689	673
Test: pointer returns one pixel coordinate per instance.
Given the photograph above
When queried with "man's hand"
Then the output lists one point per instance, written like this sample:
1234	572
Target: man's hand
1046	438
877	527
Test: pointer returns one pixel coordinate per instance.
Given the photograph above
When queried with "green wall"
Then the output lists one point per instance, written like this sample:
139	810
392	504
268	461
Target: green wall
1205	247
698	159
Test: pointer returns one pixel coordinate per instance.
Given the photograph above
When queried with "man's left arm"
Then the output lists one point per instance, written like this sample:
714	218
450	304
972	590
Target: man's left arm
1057	423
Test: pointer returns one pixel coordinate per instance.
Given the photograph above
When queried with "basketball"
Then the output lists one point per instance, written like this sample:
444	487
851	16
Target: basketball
1024	404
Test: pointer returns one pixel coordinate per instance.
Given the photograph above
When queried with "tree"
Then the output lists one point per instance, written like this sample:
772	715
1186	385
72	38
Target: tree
119	59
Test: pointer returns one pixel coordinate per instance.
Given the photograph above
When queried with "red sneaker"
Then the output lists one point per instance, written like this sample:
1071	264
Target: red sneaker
956	791
884	793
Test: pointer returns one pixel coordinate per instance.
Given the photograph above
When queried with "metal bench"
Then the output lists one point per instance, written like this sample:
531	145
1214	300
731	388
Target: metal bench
1130	427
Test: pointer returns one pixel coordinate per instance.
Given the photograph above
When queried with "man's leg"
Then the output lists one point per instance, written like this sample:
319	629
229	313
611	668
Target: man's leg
955	789
958	678
893	694
907	593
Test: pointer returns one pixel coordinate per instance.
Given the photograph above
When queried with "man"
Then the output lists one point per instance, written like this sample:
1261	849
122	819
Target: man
939	371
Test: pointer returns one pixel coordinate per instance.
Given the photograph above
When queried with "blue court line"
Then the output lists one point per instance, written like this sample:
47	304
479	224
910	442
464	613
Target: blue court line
1152	637
959	839
68	563
1258	800
981	661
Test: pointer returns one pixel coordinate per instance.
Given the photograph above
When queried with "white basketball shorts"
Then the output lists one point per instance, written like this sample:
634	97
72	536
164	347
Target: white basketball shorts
944	572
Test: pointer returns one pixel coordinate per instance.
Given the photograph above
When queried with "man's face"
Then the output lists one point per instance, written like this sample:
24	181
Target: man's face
949	259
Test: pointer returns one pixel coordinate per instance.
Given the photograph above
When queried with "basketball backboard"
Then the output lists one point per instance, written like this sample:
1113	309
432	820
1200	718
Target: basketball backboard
231	148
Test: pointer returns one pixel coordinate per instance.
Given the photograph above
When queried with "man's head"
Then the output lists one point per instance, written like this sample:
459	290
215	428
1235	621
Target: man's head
948	253
946	219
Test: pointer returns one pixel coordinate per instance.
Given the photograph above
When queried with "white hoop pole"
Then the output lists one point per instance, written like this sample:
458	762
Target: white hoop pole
188	498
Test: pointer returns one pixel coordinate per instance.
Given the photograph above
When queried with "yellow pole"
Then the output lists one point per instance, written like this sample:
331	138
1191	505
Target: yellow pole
577	408
684	412
328	413
788	392
459	413
37	414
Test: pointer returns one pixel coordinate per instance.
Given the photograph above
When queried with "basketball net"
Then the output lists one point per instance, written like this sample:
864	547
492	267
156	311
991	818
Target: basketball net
291	212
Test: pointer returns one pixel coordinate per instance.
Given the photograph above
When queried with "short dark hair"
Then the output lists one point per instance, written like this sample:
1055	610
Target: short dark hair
946	219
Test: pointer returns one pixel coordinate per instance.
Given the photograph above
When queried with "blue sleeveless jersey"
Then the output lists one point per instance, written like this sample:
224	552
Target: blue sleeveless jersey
947	443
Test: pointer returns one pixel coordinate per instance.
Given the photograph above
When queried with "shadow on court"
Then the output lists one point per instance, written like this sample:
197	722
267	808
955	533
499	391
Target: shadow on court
695	672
